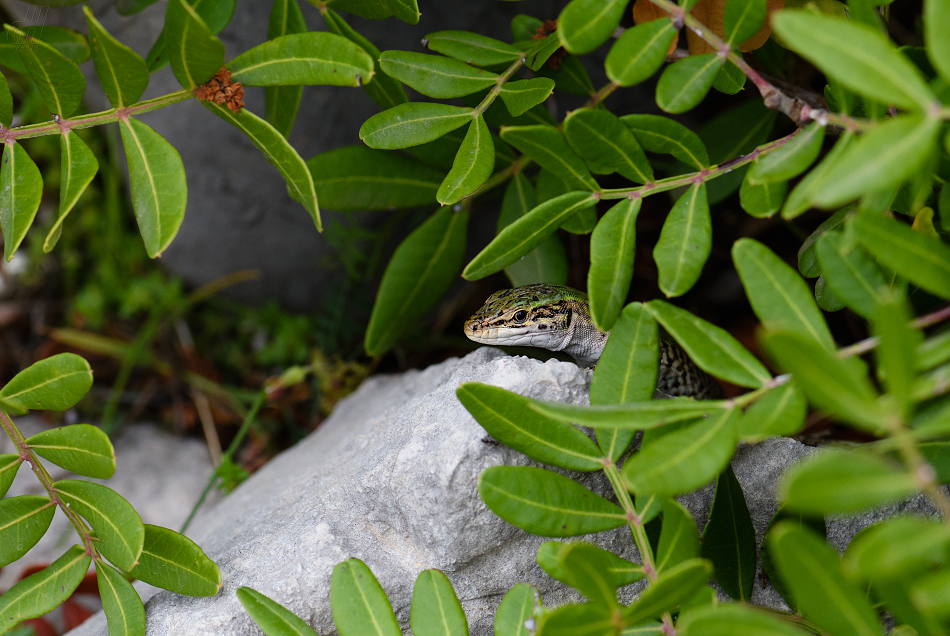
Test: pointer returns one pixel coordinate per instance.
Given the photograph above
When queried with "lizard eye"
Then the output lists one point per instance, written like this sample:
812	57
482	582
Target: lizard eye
521	315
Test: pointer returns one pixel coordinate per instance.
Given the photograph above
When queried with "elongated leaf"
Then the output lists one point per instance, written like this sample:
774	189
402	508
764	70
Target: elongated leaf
790	159
684	243
405	10
762	200
21	188
853	276
6	102
882	551
601	139
936	22
71	44
545	503
799	201
808	254
548	147
540	50
271	616
612	248
525	234
216	15
412	124
434	75
779	296
473	164
742	19
633	416
157	178
727	619
303	58
896	354
359	603
685	459
671	588
420	271
619	572
590	619
194	53
679	539
9	465
80	448
52	384
123	608
79	166
861	58
812	570
436	610
713	349
23	521
639	52
586	24
57	78
472	48
890	153
587	569
523	95
780	412
662	135
282	102
174	562
922	259
515	609
550	186
40	593
684	83
547	263
278	152
121	71
507	417
113	520
729	538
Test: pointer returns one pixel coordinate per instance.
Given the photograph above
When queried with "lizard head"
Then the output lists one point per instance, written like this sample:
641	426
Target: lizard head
534	315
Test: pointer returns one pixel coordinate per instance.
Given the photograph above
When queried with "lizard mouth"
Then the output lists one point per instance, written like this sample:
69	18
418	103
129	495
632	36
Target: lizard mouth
499	335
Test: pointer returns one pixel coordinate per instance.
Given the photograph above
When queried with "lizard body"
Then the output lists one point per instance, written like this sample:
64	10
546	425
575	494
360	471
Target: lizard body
558	318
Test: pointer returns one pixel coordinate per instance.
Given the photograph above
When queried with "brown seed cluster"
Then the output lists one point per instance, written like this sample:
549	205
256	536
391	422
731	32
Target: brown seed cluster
221	90
546	29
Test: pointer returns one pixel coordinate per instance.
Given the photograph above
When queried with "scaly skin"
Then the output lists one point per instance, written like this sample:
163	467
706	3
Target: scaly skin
558	318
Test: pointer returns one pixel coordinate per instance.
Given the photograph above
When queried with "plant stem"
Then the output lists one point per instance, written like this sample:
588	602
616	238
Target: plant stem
635	522
27	455
496	89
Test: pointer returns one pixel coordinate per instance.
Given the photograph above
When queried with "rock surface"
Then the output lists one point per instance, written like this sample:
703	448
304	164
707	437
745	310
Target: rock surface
390	478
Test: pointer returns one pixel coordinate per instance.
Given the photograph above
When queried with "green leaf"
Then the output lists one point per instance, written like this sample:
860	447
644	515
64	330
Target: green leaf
71	44
523	95
936	20
586	568
790	159
157	179
590	619
436	610
21	189
114	521
671	588
586	24
764	199
23	521
812	570
742	19
174	562
412	124
550	186
679	539
547	263
728	619
729	538
807	253
665	136
540	50
45	590
570	77
194	53
639	52
271	616
735	132
507	417
405	10
713	349
619	572
81	448
515	609
434	75
779	296
548	147
121	71
602	139
473	164
354	178
729	79
883	550
885	156
52	384
216	15
525	234
278	152
860	57
359	604
922	259
612	248
58	78
282	102
685	459
6	103
632	416
799	201
545	503
79	166
123	608
9	465
472	48
684	83
423	267
896	354
843	482
303	58
780	412
931	594
853	276
684	243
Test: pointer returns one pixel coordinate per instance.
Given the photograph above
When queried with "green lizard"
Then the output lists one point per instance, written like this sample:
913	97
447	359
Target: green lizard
558	318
